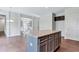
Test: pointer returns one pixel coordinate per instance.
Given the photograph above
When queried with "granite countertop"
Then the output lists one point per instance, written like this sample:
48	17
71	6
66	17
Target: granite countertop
44	32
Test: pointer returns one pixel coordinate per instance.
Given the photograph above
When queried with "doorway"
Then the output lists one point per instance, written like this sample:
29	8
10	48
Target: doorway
2	25
26	26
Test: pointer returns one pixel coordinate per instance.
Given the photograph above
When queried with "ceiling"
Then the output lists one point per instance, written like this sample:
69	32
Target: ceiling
34	10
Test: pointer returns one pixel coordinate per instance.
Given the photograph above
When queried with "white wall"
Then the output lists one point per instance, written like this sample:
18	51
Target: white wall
14	26
60	25
60	14
72	23
11	29
2	12
45	22
2	24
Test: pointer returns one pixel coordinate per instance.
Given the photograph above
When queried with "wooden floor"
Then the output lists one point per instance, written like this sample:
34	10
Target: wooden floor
17	44
69	46
13	44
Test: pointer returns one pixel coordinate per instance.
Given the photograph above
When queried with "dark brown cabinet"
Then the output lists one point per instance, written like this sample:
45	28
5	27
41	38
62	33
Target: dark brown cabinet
43	47
50	43
43	43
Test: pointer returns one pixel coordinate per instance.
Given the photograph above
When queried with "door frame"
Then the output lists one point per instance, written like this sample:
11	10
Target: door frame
4	23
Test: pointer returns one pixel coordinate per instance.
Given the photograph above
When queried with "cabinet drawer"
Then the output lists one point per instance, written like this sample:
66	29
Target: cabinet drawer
51	35
43	39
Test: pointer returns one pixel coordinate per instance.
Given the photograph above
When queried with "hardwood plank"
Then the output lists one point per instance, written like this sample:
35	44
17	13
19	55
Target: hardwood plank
12	44
68	45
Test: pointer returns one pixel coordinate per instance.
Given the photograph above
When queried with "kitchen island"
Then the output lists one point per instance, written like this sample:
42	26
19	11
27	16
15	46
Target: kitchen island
44	41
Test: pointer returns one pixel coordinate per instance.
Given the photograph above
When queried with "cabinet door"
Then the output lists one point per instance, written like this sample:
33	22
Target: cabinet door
56	41
59	38
43	47
50	45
